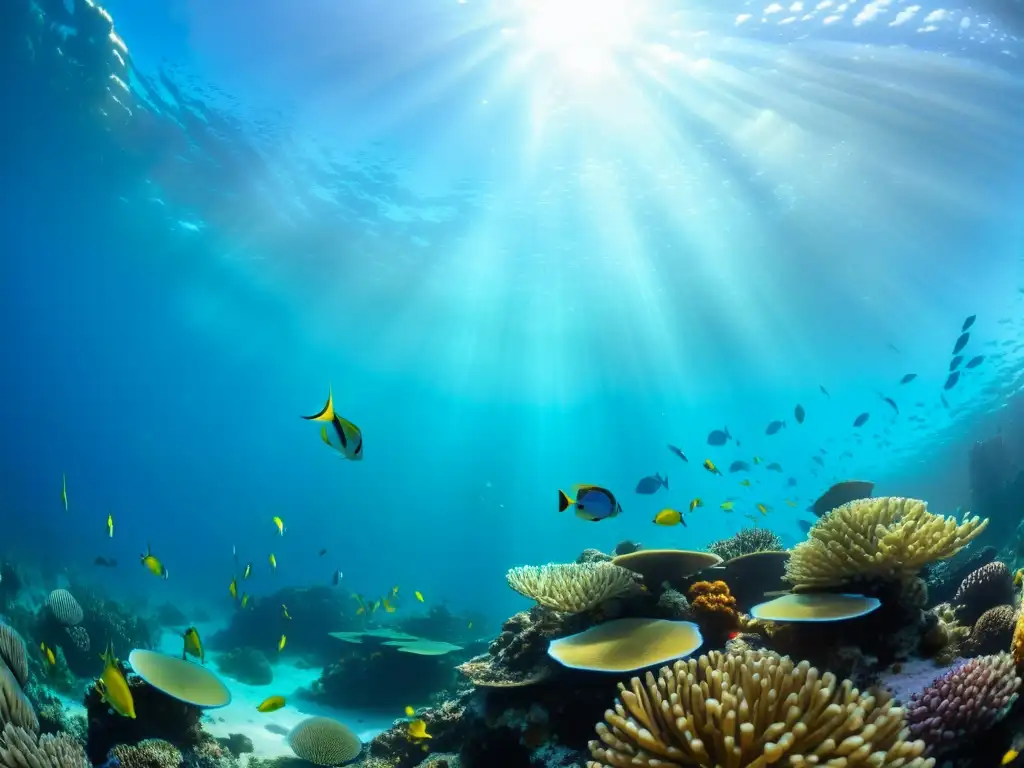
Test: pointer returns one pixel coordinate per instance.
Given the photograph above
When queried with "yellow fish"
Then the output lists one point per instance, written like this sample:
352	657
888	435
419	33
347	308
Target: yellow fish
762	508
233	588
1018	577
374	606
245	600
1016	745
387	606
64	490
360	610
790	502
248	570
48	653
193	645
271	704
727	505
709	465
340	434
279	523
281	643
418	730
669	517
419	595
284	611
110	525
394	591
758	459
695	504
469	625
154	565
410	712
273	562
113	687
745	483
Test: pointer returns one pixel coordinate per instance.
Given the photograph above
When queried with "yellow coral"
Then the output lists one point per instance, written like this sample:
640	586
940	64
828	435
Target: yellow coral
572	587
751	710
887	538
713	602
1017	645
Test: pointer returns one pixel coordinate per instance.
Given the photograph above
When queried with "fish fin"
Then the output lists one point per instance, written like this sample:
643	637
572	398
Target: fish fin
664	481
327	412
323	435
564	502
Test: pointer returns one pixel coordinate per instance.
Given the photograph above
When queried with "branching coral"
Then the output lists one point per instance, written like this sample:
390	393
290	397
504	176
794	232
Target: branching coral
571	587
746	542
967	700
884	539
751	709
23	749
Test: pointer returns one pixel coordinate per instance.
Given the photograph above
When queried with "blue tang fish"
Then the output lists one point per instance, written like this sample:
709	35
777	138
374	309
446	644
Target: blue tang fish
592	503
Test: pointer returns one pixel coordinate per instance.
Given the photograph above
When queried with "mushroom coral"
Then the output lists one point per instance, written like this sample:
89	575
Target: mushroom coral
887	539
751	709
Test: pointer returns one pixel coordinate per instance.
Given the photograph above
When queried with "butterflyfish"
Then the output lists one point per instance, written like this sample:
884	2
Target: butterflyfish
153	564
112	686
338	433
193	645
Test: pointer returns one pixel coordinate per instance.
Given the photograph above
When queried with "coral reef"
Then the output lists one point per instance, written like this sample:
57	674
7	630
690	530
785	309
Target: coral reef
323	741
247	665
987	587
992	633
571	587
750	709
942	641
149	753
967	700
20	748
884	539
746	542
237	744
714	609
944	577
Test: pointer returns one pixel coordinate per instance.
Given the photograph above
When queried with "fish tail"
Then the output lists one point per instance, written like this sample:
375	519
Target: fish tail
564	502
727	435
327	412
664	481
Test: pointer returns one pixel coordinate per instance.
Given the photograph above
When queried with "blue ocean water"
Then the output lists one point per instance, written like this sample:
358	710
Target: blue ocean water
526	244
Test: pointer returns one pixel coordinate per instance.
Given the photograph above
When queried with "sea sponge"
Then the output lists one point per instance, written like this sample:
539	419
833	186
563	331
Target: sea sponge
151	753
15	707
886	539
992	633
984	588
625	645
12	653
323	741
746	542
570	587
751	709
23	749
713	605
65	608
967	700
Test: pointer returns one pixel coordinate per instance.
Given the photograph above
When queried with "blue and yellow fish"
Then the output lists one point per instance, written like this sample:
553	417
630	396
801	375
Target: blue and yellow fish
592	503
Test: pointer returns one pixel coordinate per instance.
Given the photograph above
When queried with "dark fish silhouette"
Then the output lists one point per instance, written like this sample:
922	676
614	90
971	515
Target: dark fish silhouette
968	322
955	362
105	562
974	362
323	552
908	378
804	526
842	493
894	348
892	402
961	342
774	427
861	420
774	467
651	484
739	466
944	403
824	391
799	413
336	578
678	453
954	377
818	461
719	437
791	483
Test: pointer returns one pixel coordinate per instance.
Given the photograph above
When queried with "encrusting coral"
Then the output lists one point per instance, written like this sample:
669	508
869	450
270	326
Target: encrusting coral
23	749
571	587
967	700
883	539
751	709
746	542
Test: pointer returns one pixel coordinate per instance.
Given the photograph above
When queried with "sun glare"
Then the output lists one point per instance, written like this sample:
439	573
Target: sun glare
581	35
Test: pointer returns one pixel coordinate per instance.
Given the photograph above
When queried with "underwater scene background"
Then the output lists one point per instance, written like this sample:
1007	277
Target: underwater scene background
741	282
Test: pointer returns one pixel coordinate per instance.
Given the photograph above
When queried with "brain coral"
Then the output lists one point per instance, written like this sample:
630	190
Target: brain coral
15	708
20	749
992	633
967	700
571	587
323	741
887	538
751	709
65	608
984	588
12	653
